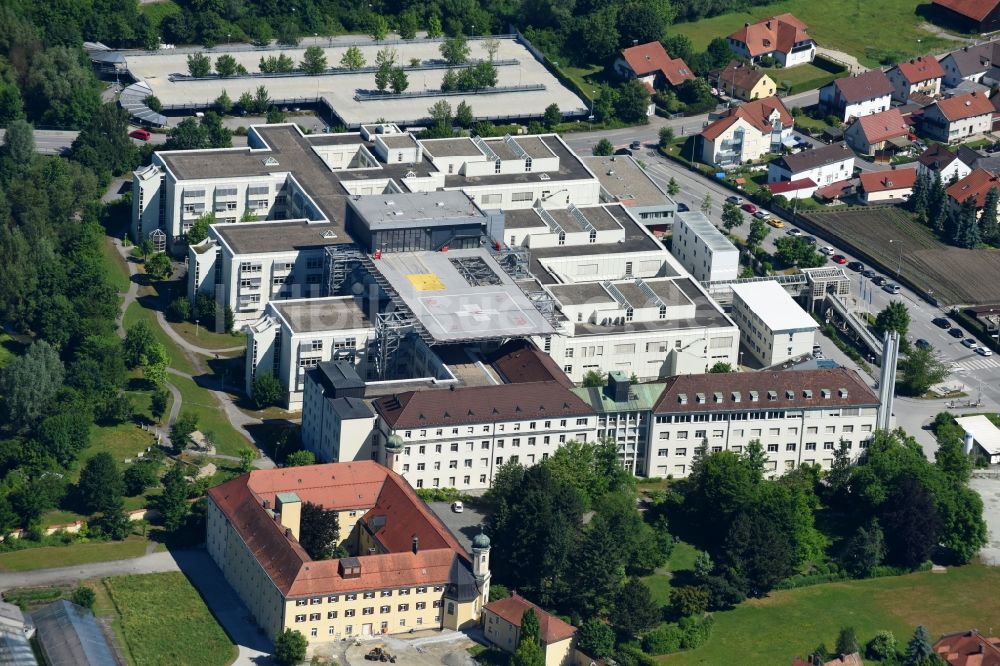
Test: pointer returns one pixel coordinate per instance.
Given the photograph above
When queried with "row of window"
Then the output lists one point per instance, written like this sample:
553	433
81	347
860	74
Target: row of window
349	629
367	610
532	425
370	594
771	448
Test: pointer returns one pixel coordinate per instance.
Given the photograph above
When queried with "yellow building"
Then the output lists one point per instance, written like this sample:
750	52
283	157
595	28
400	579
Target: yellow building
407	571
502	627
744	82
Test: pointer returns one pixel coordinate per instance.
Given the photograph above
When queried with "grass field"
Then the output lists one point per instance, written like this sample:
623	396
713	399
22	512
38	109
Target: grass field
211	418
178	360
955	275
681	559
117	270
859	28
198	335
165	622
46	557
792	622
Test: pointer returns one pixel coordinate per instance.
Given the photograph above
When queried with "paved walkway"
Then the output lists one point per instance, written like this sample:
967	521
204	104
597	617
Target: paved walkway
146	564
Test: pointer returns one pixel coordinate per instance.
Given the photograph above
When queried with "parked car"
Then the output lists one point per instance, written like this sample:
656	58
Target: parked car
635	145
810	239
856	266
869	273
457	507
983	351
970	343
892	288
749	207
923	344
839	259
761	214
682	208
776	223
957	333
826	249
941	322
794	232
880	281
140	134
817	349
735	200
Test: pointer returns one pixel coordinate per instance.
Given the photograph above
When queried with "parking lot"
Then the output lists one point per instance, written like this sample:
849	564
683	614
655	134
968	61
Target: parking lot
463	525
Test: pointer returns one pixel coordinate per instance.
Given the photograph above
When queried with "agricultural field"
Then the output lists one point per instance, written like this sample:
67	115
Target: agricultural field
858	28
954	275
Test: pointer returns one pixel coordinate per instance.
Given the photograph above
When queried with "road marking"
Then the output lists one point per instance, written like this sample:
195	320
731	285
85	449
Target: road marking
977	364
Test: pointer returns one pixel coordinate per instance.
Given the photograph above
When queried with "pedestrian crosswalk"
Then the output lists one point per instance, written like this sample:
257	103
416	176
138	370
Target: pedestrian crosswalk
976	364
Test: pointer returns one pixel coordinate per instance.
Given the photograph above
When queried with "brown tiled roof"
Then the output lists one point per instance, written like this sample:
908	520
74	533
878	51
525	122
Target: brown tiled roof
921	69
845	389
968	648
884	125
965	106
873	83
652	57
756	113
741	76
777	33
816	157
937	157
880	181
511	609
522	363
977	184
853	659
977	10
366	485
480	404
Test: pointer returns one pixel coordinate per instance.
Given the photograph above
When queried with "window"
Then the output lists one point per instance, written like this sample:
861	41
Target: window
314	616
331	615
369	595
437	603
334	598
421	605
790	446
403	607
772	448
368	610
404	591
301	602
300	618
451	608
521	196
386	593
349	612
316	600
385	609
350	597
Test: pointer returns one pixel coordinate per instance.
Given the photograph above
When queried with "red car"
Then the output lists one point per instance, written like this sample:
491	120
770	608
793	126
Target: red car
140	134
749	207
839	259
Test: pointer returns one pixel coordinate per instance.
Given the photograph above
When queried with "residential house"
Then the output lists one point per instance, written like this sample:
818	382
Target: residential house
968	648
972	63
651	64
918	75
889	186
746	133
793	189
856	96
879	135
938	160
783	37
823	165
743	82
970	15
502	627
976	185
958	118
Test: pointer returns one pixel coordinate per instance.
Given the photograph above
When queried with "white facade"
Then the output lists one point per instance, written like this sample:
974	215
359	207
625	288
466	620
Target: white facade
836	167
741	141
936	126
904	87
774	327
956	169
847	110
703	250
335	429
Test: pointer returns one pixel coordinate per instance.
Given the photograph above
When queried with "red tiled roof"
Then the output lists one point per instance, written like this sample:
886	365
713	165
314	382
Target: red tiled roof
921	69
883	125
522	363
756	113
965	106
977	10
853	659
480	404
777	33
937	156
340	486
783	186
511	609
881	181
977	184
652	57
968	648
741	76
873	83
796	381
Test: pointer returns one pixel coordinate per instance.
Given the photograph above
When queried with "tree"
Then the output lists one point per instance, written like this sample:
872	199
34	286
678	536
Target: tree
731	215
920	370
172	504
919	649
199	230
319	531
965	232
552	116
463	114
378	27
383	76
988	228
911	523
300	459
261	100
760	551
673	189
100	485
635	611
596	639
159	266
314	61
795	251
19	142
155	363
528	653
199	65
138	339
84	596
865	550
29	383
188	134
689	600
937	205
226	65
721	367
434	26
455	50
398	80
290	647
288	33
706	204
498	592
640	22
139	476
181	429
266	390
758	232
530	629
632	105
274	116
919	197
64	435
893	317
247	457
352	59
603	148
406	24
440	114
847	641
882	646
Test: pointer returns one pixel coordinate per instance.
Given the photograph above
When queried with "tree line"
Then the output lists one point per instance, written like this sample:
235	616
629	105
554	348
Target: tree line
969	225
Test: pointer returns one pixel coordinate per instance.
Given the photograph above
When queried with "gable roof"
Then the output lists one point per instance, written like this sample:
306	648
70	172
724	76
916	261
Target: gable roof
740	75
520	362
775	33
756	113
974	59
977	10
480	404
817	157
511	609
853	659
977	184
937	157
919	69
69	635
965	106
873	83
883	125
968	648
784	186
652	57
882	181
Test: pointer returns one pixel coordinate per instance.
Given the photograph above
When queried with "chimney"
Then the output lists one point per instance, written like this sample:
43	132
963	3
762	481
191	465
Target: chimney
768	24
289	506
416	544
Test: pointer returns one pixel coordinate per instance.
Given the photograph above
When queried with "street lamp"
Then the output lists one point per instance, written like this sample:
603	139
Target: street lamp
899	259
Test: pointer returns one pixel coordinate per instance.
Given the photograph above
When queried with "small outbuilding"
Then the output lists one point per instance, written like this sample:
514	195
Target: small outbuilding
983	434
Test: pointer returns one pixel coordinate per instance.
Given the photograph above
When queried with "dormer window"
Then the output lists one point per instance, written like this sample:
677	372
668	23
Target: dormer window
807	394
701	398
789	394
682	398
754	396
824	393
736	396
718	396
842	392
772	395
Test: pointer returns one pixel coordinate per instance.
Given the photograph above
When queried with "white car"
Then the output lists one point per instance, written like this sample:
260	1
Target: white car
827	250
983	351
457	507
970	343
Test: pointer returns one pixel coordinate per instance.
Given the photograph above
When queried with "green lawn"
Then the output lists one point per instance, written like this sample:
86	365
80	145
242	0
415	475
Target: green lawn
117	269
793	622
200	336
47	557
859	28
585	77
681	559
165	621
178	360
211	418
